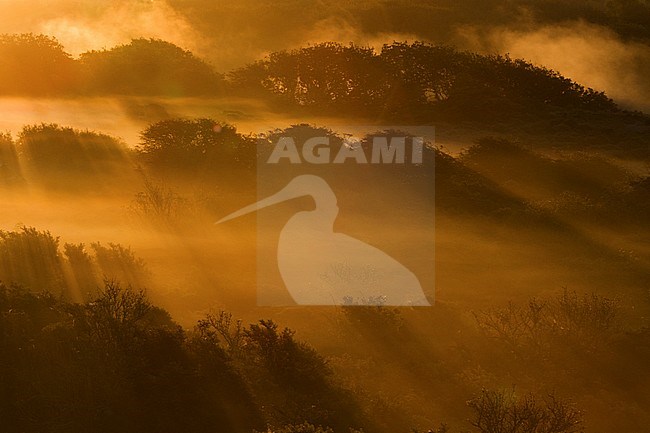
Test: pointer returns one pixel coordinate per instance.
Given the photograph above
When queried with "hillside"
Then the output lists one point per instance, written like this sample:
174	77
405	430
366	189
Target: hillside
335	217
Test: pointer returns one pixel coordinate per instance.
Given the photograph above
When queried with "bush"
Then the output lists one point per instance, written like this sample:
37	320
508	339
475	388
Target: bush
35	65
220	327
116	363
196	146
505	412
66	157
291	381
290	362
148	67
159	204
31	258
115	314
585	322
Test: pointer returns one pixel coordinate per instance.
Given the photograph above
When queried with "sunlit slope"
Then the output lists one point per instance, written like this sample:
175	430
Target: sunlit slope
509	222
498	239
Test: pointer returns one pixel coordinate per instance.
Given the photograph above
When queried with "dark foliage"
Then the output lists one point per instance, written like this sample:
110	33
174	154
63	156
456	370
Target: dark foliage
114	364
199	146
147	67
63	157
34	260
120	363
413	81
35	65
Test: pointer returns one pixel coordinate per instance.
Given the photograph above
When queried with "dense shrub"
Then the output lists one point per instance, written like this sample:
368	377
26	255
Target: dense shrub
147	67
35	65
197	147
33	259
64	157
293	382
116	363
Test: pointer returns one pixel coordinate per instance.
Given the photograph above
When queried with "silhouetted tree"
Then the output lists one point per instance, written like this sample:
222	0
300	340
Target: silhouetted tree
326	76
412	81
35	65
148	67
197	146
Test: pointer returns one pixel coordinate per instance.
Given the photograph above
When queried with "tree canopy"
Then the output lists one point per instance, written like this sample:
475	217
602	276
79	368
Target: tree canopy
196	144
147	67
412	80
34	65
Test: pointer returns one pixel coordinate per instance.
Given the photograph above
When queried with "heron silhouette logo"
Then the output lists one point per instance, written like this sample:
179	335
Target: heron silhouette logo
322	267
